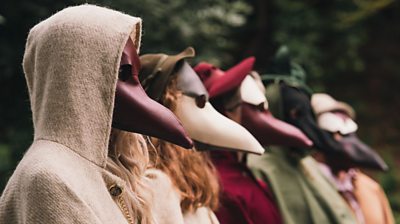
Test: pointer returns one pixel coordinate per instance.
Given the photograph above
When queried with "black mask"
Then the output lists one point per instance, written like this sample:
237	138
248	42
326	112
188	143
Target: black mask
298	112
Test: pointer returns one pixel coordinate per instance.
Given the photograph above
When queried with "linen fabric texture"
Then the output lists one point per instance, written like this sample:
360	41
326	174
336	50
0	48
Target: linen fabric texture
71	65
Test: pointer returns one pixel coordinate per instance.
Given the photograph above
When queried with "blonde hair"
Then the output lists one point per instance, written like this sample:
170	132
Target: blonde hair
128	158
190	171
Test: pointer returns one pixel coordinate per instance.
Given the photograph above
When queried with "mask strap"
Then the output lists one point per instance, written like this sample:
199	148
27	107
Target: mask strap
149	142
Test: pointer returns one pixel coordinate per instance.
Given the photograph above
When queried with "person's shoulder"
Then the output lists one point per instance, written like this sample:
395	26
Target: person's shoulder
366	181
36	177
165	197
51	176
49	162
269	160
158	178
203	215
161	184
44	153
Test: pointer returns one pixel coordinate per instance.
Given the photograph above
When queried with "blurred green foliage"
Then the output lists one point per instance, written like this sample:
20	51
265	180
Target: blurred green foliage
350	48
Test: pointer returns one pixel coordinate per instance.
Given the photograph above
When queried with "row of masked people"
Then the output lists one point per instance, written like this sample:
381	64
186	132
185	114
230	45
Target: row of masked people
120	138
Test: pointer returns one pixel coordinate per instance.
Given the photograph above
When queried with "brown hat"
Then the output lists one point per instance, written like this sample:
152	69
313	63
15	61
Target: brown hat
322	103
157	68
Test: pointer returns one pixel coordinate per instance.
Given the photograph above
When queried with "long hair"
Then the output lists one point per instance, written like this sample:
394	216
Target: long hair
128	158
190	171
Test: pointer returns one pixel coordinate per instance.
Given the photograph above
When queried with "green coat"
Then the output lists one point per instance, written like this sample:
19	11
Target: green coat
303	194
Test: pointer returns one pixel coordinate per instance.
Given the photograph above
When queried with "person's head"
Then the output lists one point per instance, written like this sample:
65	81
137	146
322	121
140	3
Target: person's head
295	102
205	125
190	171
289	95
134	111
243	100
72	62
336	118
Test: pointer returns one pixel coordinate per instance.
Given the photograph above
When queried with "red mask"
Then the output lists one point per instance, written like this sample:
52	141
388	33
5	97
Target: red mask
271	131
134	111
256	117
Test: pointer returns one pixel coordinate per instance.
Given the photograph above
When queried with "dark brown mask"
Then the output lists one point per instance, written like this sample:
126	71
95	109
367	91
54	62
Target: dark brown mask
134	111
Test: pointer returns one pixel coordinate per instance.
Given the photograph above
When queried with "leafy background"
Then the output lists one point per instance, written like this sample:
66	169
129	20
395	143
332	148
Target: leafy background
350	48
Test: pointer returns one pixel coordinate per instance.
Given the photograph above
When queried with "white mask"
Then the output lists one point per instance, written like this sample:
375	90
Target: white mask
205	125
336	124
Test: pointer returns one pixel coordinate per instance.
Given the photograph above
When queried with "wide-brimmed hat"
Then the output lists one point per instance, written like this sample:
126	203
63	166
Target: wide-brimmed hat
218	82
322	102
157	68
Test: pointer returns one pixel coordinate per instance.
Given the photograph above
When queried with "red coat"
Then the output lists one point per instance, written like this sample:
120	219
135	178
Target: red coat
243	199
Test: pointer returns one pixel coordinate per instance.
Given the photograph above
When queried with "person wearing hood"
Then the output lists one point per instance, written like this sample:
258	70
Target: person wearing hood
170	80
364	196
85	164
244	199
303	194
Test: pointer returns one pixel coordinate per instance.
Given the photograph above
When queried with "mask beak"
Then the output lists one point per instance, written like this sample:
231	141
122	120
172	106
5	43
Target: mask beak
360	154
270	131
134	111
209	128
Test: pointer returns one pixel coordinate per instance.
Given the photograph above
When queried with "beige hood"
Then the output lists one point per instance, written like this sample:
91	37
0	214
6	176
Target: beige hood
71	66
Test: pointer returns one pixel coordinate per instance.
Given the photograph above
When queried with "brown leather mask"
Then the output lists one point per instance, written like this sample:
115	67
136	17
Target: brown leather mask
134	111
269	130
256	117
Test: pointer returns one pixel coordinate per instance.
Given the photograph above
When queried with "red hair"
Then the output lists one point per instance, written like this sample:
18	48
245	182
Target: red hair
191	171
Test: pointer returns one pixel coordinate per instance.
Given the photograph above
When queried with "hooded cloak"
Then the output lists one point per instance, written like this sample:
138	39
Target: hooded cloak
71	65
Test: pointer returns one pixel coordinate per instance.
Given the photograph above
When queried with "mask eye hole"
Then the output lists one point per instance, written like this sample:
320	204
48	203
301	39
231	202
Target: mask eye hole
261	106
125	71
201	101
